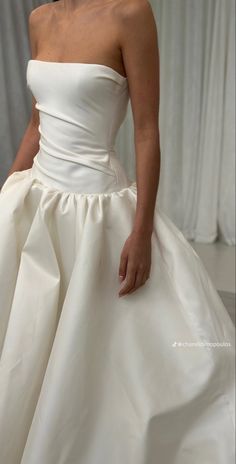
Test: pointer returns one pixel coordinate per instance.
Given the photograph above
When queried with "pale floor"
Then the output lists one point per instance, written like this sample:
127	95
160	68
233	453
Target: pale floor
219	260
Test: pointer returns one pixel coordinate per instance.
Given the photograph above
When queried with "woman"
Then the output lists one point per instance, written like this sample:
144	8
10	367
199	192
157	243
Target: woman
94	370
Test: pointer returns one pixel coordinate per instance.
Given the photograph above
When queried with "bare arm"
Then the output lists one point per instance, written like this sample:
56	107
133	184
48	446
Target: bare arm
30	142
139	45
141	59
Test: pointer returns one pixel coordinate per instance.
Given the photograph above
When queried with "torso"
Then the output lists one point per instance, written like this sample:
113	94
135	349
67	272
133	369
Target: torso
91	35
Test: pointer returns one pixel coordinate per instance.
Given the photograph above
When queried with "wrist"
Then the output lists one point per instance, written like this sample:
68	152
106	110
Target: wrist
144	230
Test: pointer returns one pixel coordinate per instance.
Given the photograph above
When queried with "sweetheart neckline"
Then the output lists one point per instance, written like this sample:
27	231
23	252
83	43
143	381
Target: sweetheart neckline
79	63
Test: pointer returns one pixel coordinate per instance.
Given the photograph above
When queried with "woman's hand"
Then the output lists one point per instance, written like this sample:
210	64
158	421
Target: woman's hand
135	262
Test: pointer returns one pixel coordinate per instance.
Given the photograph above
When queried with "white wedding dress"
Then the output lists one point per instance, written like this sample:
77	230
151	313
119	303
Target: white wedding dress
87	377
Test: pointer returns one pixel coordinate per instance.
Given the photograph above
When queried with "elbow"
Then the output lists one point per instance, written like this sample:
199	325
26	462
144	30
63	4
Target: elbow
146	132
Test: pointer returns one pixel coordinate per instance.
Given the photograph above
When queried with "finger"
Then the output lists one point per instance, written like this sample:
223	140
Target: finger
128	285
123	267
139	281
129	280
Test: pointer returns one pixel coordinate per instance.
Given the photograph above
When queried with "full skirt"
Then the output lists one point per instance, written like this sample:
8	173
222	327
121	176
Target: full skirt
87	377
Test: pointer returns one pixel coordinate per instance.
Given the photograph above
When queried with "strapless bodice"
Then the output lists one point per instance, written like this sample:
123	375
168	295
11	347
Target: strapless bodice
81	108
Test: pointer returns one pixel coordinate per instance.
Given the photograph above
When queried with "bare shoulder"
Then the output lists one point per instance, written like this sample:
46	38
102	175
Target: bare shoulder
135	18
130	10
37	20
38	14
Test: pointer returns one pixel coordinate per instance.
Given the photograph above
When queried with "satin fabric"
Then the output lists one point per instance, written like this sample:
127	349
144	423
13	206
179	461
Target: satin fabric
87	377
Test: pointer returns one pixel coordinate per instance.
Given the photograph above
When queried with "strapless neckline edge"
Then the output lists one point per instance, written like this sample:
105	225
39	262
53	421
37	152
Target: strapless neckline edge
83	64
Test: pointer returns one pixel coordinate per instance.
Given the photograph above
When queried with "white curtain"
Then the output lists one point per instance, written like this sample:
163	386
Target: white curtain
196	41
